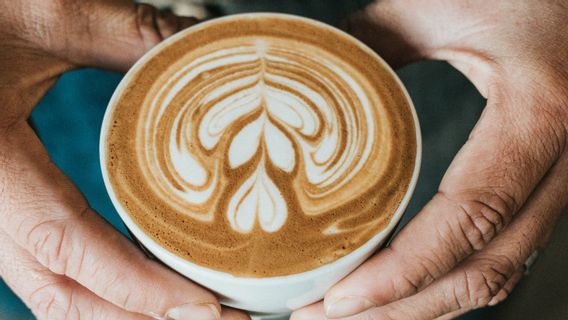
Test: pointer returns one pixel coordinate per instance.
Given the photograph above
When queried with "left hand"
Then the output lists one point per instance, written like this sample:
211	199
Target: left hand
58	255
500	197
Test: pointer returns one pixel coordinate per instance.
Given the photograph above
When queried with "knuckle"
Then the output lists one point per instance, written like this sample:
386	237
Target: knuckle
166	22
403	286
47	244
424	272
417	272
52	243
473	291
482	281
481	217
52	301
146	16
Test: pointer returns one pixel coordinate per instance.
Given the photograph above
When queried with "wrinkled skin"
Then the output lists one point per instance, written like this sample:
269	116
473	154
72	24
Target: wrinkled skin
497	203
56	253
503	192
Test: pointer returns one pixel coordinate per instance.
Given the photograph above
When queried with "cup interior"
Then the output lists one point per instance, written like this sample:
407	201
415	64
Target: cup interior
177	262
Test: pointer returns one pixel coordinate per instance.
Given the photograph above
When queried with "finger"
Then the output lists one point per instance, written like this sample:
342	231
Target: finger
507	154
311	312
233	314
48	295
487	276
114	34
47	216
168	23
499	297
507	288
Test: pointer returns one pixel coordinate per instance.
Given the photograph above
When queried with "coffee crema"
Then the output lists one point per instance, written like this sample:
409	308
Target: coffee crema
261	146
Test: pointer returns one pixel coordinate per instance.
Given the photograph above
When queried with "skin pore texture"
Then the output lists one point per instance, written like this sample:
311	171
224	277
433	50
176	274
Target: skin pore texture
261	146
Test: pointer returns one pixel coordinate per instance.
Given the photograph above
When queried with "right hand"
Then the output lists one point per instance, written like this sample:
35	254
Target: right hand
501	196
56	253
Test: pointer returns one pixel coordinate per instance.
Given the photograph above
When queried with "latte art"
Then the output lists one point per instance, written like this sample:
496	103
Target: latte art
261	138
276	109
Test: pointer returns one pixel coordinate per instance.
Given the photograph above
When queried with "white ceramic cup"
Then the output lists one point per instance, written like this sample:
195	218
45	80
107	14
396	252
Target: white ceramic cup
260	296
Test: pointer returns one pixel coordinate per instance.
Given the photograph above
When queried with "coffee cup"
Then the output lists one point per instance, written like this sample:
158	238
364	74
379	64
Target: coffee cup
345	211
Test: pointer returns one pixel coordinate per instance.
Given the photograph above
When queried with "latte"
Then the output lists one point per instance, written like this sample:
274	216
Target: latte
261	146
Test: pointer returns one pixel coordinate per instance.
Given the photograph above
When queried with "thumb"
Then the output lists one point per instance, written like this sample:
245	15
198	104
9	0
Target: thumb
113	34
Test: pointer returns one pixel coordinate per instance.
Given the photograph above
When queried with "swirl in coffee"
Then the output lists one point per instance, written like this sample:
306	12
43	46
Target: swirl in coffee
261	146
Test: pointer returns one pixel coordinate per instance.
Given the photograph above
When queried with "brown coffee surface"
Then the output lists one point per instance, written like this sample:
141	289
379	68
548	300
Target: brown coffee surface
261	146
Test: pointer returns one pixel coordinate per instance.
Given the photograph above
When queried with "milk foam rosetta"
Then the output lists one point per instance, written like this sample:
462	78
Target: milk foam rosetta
260	149
258	107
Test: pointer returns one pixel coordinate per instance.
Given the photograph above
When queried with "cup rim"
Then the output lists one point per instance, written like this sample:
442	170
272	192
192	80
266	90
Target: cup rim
163	253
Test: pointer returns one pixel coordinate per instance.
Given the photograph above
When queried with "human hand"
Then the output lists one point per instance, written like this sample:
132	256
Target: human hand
58	255
503	192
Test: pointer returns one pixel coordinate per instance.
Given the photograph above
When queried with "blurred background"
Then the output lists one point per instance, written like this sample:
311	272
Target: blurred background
68	121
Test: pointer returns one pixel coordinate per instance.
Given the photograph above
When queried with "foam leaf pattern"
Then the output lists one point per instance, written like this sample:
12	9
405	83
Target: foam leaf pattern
258	198
256	108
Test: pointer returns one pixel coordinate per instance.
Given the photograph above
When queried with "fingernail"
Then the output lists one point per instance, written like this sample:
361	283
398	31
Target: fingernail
194	312
348	306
